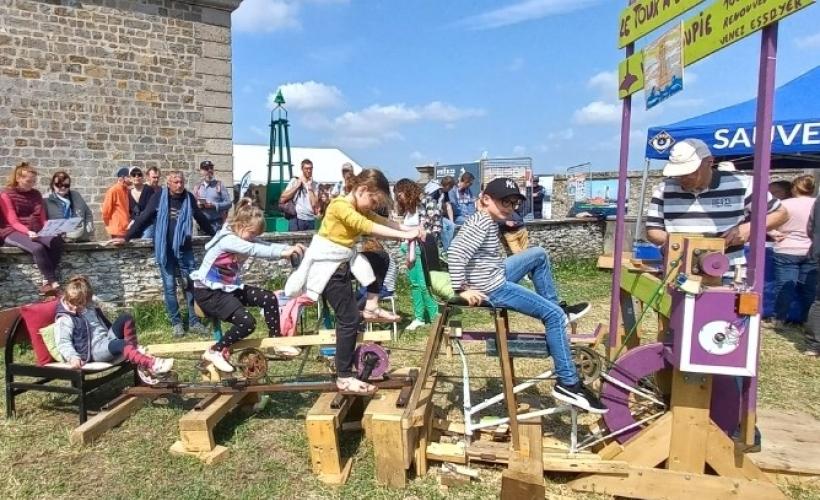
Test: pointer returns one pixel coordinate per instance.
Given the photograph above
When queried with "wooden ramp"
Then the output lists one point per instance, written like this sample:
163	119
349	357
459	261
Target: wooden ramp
791	444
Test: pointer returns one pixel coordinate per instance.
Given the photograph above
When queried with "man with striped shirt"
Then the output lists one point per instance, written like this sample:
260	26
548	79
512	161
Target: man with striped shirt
479	274
695	198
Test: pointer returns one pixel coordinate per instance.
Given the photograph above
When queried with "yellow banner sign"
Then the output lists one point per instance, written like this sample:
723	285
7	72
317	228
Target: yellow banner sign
630	75
643	16
725	22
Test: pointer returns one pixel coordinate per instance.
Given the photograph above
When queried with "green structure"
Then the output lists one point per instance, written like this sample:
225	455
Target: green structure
280	150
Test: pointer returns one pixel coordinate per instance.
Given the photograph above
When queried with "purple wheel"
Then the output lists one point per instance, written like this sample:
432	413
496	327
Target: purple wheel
374	352
636	369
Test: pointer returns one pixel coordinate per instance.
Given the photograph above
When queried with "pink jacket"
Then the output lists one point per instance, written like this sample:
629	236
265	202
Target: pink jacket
290	314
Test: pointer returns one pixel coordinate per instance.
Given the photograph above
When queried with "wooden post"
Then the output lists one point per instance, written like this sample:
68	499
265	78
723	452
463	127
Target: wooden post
507	374
97	425
691	394
524	479
323	424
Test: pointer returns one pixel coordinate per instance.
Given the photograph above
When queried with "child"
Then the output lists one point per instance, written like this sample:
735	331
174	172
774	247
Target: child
478	274
218	287
331	262
82	337
408	203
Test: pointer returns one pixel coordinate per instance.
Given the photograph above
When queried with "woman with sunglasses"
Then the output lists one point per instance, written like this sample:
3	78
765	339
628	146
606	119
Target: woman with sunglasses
63	203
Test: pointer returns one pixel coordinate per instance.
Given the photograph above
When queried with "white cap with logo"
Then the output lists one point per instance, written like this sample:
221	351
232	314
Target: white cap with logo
685	157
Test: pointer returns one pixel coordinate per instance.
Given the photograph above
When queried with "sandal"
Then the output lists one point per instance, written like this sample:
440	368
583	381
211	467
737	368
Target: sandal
355	387
379	315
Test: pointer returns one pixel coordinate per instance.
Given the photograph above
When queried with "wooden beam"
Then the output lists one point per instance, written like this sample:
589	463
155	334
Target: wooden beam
642	286
644	482
324	337
218	454
524	479
102	422
723	455
691	395
507	374
196	428
389	449
649	448
323	424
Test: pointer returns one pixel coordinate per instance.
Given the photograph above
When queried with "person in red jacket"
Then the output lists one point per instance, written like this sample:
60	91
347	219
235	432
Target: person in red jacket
22	216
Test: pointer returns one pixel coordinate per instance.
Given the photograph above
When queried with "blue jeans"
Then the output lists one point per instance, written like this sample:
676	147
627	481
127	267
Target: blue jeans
448	230
535	262
795	282
541	304
296	224
184	267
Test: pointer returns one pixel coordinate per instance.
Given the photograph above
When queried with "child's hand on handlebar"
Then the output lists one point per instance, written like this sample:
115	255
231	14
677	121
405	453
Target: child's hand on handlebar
297	249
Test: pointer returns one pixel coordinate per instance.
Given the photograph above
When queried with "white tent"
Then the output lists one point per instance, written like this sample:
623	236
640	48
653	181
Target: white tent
327	163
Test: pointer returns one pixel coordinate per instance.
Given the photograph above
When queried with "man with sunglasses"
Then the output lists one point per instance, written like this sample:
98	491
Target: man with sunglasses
212	197
140	195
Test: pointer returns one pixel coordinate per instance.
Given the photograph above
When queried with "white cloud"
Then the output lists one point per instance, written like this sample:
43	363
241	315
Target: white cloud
808	42
526	10
308	96
596	113
605	82
377	123
265	16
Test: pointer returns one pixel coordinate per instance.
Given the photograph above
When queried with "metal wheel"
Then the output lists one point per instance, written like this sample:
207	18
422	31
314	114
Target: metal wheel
588	363
252	363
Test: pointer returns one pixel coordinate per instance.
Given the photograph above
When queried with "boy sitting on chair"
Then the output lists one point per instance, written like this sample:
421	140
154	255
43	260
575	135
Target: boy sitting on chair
480	275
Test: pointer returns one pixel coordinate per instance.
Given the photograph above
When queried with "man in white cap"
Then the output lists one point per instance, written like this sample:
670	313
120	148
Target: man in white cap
339	187
695	198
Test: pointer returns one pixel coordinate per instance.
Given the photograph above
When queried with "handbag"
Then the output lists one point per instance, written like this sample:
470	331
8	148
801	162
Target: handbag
288	208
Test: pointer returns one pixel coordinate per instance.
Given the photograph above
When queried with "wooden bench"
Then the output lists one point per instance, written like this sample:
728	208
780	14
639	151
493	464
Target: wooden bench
21	325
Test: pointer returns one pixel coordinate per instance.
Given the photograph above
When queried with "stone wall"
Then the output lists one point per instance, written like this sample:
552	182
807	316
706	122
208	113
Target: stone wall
125	275
89	86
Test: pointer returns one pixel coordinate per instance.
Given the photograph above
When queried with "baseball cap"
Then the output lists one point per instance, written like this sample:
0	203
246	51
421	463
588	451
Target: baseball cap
121	172
502	187
347	166
135	171
206	164
685	157
726	166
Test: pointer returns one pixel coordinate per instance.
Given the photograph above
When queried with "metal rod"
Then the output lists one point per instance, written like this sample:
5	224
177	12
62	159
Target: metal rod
518	388
762	164
639	214
620	214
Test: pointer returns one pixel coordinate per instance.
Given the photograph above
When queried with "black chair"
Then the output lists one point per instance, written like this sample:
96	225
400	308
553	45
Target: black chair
14	331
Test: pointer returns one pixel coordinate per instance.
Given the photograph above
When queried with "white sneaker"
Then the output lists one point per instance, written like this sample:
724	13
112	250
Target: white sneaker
218	360
414	325
162	365
286	350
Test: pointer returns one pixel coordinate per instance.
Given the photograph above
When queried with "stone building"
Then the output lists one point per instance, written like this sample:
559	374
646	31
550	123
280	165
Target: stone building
89	85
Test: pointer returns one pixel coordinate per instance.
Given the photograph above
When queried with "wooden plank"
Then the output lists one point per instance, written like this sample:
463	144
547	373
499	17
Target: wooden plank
524	477
507	375
642	482
608	261
650	447
791	442
583	463
389	450
324	337
322	425
446	452
642	286
102	422
691	395
428	362
196	428
218	454
727	459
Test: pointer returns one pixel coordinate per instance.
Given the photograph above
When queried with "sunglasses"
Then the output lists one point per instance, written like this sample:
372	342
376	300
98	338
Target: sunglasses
136	175
66	185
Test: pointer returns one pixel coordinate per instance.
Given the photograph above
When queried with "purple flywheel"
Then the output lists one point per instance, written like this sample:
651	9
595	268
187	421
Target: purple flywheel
382	363
714	264
642	362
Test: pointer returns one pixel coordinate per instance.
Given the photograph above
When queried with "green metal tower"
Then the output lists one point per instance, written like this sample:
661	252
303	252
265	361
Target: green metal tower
279	148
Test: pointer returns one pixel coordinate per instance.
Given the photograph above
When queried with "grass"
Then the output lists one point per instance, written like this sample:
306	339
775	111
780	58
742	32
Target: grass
269	451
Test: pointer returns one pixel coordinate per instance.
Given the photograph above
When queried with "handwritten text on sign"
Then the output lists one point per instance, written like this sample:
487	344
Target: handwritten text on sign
725	22
643	16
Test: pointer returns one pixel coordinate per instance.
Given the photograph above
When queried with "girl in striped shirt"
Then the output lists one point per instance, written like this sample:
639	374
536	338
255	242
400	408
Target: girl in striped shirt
480	276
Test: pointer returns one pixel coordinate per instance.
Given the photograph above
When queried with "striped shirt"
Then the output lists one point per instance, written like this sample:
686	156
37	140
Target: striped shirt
726	203
474	256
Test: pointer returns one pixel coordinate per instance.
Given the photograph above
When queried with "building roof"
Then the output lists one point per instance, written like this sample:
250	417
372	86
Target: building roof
327	163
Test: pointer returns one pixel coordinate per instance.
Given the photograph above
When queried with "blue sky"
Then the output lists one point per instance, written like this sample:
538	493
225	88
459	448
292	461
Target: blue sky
396	84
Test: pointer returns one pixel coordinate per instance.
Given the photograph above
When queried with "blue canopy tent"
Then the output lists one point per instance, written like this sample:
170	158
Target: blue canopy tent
730	131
